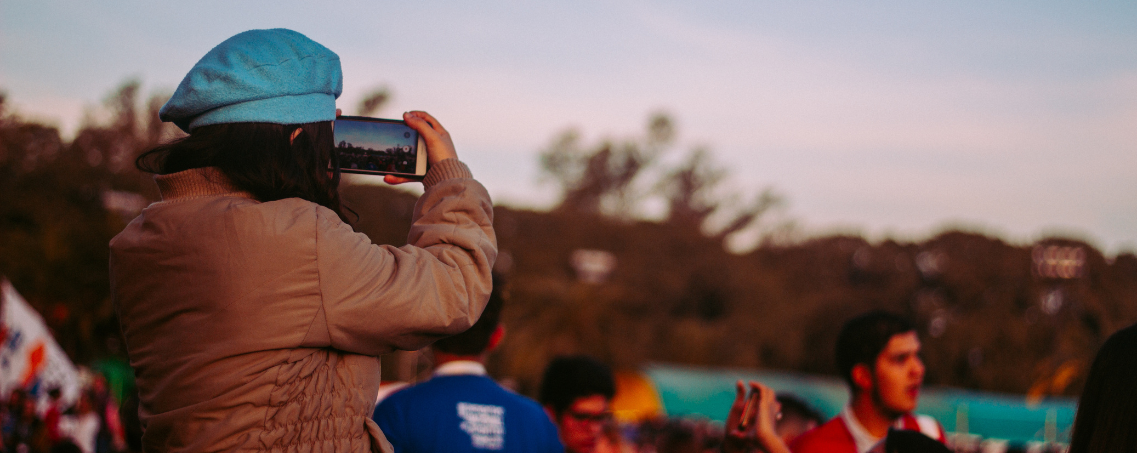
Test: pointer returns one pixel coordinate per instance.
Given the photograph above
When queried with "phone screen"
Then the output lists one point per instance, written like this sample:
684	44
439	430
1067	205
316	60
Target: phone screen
375	146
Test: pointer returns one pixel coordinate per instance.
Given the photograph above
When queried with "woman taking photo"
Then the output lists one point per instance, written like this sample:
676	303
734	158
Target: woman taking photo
253	314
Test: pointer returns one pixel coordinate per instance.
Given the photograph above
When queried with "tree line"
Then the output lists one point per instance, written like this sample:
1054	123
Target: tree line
681	290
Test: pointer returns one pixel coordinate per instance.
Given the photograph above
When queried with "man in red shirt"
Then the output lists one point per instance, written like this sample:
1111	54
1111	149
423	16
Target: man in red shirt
878	354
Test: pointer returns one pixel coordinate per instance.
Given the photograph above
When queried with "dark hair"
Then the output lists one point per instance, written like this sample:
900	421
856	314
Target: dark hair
910	441
863	338
570	377
792	407
66	446
476	339
1107	411
259	158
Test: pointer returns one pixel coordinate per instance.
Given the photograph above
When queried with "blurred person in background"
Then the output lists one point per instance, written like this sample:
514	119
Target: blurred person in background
52	414
911	441
1106	421
678	436
460	408
878	354
253	313
797	417
23	429
576	392
751	422
110	437
83	426
12	408
612	440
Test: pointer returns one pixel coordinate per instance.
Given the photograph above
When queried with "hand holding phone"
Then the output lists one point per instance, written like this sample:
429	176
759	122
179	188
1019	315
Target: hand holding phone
376	146
436	137
400	151
750	424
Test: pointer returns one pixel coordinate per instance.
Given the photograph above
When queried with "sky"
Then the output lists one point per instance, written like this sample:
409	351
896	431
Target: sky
890	119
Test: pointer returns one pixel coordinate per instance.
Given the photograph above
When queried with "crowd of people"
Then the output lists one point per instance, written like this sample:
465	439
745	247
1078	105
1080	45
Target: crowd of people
43	422
460	408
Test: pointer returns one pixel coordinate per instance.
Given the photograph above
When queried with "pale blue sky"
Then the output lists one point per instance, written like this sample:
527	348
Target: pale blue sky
885	118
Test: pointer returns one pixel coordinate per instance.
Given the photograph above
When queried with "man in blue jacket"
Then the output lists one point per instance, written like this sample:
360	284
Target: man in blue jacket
460	409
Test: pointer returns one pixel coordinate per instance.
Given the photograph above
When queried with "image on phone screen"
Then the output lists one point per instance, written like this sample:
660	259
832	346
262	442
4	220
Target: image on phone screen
376	146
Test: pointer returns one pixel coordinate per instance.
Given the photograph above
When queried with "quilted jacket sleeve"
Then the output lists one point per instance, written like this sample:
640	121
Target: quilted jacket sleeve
378	298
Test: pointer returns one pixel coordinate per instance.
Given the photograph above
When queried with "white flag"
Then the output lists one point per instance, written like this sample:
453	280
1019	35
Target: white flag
29	356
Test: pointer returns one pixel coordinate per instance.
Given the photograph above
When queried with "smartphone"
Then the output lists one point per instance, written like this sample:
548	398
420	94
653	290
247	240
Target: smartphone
751	406
377	146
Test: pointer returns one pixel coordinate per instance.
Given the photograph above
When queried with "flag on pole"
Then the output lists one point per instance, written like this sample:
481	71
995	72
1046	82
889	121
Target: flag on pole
30	358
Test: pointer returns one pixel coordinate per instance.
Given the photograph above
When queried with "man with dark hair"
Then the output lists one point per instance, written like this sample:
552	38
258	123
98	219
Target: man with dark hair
460	409
878	354
576	392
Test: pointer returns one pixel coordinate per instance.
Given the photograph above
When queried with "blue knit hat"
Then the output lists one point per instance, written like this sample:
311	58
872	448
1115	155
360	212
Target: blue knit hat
270	76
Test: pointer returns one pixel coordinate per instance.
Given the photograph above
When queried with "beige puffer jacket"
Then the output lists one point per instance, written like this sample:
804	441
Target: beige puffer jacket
256	326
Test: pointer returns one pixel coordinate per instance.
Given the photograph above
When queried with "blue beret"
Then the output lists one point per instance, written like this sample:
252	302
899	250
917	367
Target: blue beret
270	76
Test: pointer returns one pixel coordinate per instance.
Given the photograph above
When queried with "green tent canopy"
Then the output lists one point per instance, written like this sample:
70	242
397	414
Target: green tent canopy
708	392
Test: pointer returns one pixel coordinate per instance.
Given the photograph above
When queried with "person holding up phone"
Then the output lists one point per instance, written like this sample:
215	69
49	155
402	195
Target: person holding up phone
253	314
750	424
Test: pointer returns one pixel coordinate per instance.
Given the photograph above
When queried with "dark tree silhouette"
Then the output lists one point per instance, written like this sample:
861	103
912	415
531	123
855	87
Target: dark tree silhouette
374	101
599	180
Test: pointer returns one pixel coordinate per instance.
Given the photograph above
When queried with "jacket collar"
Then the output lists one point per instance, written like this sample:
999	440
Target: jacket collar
197	182
458	367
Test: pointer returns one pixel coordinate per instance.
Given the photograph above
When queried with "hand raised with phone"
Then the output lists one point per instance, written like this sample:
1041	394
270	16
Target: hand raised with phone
750	424
439	145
